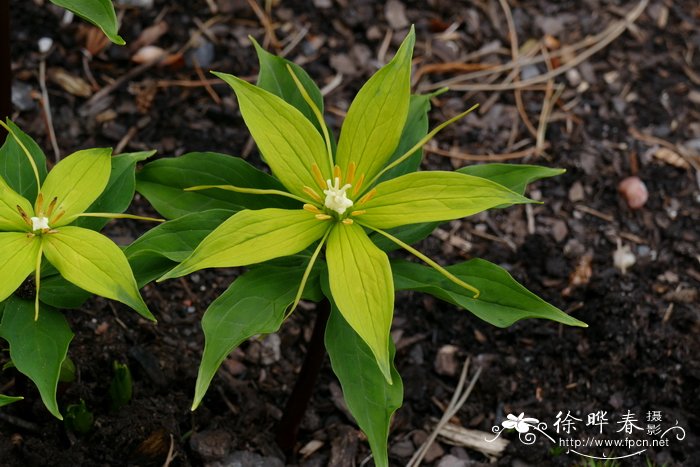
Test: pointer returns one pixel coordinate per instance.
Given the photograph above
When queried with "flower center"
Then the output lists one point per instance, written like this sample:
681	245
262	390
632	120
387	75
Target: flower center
40	223
336	196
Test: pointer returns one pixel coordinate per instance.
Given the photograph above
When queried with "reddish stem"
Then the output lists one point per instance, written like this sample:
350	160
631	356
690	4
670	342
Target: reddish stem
5	61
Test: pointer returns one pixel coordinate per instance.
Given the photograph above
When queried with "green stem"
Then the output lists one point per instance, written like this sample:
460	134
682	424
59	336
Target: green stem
317	113
252	191
26	153
427	260
419	145
111	215
307	272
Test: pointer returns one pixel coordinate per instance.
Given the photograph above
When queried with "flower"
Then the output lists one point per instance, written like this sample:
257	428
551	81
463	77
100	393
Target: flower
343	197
31	232
520	423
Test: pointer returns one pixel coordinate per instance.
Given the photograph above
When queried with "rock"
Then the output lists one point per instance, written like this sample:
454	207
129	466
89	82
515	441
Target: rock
323	3
403	449
452	461
342	63
21	96
203	54
446	362
395	13
270	352
247	459
634	191
576	192
212	445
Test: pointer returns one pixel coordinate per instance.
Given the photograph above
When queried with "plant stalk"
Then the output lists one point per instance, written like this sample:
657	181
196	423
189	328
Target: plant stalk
5	62
288	427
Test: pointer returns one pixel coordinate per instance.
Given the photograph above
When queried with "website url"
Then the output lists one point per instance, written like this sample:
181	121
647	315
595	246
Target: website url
613	443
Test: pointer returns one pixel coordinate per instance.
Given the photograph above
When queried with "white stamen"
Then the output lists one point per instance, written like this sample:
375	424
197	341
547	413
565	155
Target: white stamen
336	198
40	223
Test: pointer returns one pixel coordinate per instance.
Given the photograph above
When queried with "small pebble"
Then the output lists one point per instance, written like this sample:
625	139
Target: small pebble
634	191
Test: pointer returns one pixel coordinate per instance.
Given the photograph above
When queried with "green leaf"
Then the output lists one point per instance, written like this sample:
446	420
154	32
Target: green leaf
433	196
416	128
37	348
287	140
362	288
10	218
18	254
254	304
57	292
376	118
162	183
121	388
94	263
250	237
371	400
79	418
75	183
502	302
159	249
98	12
15	167
119	192
275	78
513	176
6	400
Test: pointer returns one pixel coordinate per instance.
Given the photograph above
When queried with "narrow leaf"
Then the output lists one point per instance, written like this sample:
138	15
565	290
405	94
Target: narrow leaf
6	400
162	182
119	192
513	176
376	118
15	167
75	183
37	348
371	400
274	78
288	141
98	12
362	288
250	237
433	196
254	304
94	263
502	302
17	260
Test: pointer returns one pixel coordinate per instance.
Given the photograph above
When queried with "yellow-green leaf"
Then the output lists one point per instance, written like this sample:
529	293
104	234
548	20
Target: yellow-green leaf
250	237
10	218
76	182
94	263
288	141
376	118
363	288
18	255
433	196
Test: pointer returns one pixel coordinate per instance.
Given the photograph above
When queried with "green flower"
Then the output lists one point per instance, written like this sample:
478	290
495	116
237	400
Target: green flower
342	197
31	231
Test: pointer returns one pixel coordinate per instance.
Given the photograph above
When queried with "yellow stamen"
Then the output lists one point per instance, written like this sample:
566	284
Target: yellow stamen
367	197
58	216
318	176
359	212
322	217
39	204
311	192
356	190
52	206
312	208
350	176
347	221
24	215
336	172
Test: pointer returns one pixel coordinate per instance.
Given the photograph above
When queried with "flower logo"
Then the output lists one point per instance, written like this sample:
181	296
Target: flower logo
520	423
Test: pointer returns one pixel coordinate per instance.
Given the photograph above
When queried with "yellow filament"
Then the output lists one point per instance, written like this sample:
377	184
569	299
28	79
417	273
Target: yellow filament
39	204
350	175
318	176
357	187
322	217
336	173
58	216
312	208
347	221
52	206
359	212
311	192
24	215
367	197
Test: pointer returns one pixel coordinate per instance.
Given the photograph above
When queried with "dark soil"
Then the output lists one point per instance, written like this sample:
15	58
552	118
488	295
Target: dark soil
639	353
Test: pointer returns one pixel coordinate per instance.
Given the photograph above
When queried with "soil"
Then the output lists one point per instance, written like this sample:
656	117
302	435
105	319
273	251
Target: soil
639	353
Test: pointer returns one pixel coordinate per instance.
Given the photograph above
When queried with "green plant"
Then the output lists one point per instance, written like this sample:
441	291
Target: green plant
79	418
120	389
98	12
55	216
359	200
